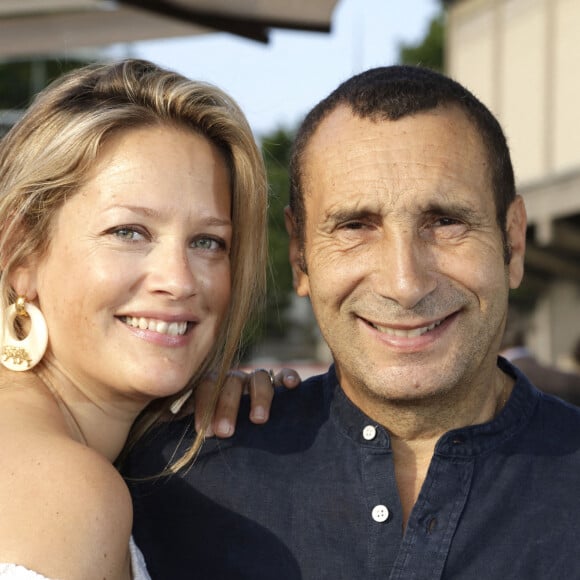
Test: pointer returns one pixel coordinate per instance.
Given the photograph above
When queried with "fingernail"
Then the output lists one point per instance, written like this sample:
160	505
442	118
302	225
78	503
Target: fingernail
259	413
208	432
224	428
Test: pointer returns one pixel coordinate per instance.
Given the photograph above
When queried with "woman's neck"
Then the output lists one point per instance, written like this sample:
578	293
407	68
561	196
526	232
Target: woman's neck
100	424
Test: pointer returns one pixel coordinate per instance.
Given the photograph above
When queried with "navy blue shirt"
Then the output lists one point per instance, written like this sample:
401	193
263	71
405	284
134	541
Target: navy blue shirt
311	495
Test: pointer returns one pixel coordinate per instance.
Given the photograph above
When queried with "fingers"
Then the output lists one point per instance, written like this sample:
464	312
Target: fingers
259	384
288	378
228	404
261	393
261	390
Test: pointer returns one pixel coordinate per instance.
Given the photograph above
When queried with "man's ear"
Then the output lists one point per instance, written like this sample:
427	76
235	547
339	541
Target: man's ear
516	224
296	256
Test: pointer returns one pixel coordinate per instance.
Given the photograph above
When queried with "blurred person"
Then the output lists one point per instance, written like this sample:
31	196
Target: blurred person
132	251
547	378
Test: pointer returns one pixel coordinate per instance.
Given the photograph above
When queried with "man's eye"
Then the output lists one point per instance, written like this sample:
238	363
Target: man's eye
446	228
354	225
446	221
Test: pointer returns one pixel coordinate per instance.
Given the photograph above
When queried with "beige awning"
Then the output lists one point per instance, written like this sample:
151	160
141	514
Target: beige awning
38	27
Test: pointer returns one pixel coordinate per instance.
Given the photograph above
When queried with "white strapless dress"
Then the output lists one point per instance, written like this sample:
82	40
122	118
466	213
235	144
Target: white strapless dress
16	572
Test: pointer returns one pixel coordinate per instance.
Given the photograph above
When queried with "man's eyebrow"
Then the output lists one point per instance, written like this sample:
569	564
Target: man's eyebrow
456	210
348	214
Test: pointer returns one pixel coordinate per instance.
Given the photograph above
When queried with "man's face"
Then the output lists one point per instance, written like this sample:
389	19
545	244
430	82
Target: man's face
404	257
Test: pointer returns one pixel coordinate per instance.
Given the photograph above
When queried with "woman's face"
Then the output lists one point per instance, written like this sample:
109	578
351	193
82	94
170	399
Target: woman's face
137	277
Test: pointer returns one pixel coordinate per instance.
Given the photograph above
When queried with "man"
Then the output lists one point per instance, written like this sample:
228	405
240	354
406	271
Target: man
547	378
419	454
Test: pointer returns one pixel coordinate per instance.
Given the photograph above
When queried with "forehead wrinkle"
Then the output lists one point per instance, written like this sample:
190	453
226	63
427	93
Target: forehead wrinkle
365	208
149	212
453	207
356	207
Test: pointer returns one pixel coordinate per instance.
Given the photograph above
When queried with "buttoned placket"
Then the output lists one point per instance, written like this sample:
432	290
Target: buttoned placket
384	513
434	518
421	552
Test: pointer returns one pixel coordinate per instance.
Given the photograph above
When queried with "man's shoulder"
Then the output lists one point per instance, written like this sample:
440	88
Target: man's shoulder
554	429
553	411
313	394
301	409
295	417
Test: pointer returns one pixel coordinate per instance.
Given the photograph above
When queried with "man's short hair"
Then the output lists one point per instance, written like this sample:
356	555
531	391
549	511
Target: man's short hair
393	92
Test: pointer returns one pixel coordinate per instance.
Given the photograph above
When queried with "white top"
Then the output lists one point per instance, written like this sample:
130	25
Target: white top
138	566
16	572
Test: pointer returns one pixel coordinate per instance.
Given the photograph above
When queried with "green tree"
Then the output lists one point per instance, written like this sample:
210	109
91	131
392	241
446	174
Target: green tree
276	150
22	79
272	323
430	50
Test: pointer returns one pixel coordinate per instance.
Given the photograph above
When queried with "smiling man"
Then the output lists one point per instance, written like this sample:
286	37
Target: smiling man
420	454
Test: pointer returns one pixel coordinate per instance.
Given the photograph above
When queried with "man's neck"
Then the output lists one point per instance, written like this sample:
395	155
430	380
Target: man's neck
416	427
411	460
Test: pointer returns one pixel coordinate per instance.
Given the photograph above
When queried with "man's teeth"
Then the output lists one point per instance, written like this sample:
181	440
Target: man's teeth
407	333
161	326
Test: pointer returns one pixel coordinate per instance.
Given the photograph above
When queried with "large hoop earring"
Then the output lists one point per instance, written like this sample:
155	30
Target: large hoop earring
22	355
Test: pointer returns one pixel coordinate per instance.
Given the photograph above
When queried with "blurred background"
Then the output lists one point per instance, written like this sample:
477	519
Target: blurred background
277	58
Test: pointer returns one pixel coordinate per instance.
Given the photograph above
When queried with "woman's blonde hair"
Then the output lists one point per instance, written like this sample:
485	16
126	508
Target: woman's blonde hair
47	157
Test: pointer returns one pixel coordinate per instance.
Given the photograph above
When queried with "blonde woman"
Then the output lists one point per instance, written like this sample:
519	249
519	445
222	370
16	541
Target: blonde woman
132	251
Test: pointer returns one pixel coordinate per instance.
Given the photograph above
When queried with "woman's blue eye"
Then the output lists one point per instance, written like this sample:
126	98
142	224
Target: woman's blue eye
127	233
208	244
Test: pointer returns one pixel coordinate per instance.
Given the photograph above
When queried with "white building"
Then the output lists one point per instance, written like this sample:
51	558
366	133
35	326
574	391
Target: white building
521	58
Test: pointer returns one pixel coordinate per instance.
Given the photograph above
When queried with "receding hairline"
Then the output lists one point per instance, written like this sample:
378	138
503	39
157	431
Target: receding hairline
343	111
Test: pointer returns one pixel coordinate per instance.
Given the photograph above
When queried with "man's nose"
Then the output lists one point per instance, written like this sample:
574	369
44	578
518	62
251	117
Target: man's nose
405	268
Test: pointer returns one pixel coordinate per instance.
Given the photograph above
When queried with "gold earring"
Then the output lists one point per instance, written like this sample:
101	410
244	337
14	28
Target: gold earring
22	355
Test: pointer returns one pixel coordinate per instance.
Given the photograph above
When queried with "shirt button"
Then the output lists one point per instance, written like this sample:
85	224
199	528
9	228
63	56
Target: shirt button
380	513
369	433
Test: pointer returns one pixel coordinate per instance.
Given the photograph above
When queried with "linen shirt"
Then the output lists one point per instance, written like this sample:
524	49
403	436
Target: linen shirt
311	495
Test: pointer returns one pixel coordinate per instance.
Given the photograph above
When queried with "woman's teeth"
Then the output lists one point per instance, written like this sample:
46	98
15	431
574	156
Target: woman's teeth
160	326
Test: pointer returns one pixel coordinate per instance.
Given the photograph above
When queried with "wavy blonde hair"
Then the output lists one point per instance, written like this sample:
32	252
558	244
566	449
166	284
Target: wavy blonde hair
48	155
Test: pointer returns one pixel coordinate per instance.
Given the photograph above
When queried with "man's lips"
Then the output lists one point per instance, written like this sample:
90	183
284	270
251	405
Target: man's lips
407	332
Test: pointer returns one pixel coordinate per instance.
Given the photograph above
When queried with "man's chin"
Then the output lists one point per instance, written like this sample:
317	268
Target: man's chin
404	384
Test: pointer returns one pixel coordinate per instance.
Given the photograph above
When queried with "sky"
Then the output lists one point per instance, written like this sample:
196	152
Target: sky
277	83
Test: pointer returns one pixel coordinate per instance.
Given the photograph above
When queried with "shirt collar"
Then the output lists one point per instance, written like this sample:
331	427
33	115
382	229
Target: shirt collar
466	441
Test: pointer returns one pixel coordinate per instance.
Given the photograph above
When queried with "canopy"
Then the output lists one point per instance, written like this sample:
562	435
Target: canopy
39	27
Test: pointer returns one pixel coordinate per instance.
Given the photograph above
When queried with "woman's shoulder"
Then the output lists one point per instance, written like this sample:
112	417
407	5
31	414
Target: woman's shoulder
64	509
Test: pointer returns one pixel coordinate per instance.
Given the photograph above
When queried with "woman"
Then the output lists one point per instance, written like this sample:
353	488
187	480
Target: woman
133	207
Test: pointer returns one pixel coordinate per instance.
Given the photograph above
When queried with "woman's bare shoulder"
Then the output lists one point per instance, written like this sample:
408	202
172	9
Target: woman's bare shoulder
65	512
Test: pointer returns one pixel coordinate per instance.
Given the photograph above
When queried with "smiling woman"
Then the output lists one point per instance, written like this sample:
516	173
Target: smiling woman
133	205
